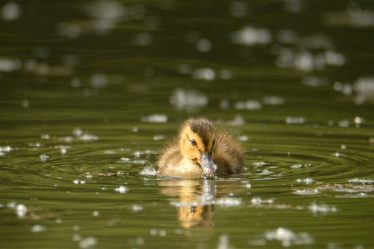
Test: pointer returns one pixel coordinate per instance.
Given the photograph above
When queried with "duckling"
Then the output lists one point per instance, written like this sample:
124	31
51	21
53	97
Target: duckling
201	149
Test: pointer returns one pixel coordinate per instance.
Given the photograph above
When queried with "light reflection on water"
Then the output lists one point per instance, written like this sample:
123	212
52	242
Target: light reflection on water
91	92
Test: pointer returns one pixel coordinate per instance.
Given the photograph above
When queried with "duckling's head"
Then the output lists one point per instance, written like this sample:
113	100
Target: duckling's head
196	141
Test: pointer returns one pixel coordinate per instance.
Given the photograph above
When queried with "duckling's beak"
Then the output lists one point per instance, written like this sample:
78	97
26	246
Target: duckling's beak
207	164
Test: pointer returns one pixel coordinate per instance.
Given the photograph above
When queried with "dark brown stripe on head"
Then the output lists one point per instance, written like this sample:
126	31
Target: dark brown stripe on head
204	128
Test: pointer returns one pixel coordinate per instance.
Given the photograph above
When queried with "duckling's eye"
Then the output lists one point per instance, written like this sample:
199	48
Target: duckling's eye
193	142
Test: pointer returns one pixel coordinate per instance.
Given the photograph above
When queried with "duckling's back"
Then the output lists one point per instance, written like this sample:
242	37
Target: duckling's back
228	155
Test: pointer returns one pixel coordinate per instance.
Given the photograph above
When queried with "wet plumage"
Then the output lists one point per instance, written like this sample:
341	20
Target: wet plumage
201	149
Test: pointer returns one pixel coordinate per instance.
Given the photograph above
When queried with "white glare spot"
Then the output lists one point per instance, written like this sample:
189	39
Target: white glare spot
11	11
358	121
38	229
224	242
5	150
344	123
265	172
76	181
345	89
364	88
288	237
136	208
333	58
248	185
125	159
273	100
306	192
88	137
314	81
306	181
338	154
188	100
259	164
25	103
238	120
11	205
148	171
304	61
143	39
155	232
207	74
155	118
361	181
84	136
251	36
121	189
106	14
228	202
63	150
354	16
321	208
138	241
98	81
9	65
158	137
257	201
45	136
138	154
243	138
203	45
248	105
43	158
88	242
77	132
295	120
21	210
76	237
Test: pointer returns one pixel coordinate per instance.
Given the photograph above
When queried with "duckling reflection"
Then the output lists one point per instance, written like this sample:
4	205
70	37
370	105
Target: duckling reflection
195	200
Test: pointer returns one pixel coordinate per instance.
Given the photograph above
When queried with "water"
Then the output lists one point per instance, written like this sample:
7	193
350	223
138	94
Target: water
91	92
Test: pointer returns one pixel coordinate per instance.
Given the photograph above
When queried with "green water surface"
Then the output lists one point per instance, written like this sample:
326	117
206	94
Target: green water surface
92	90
